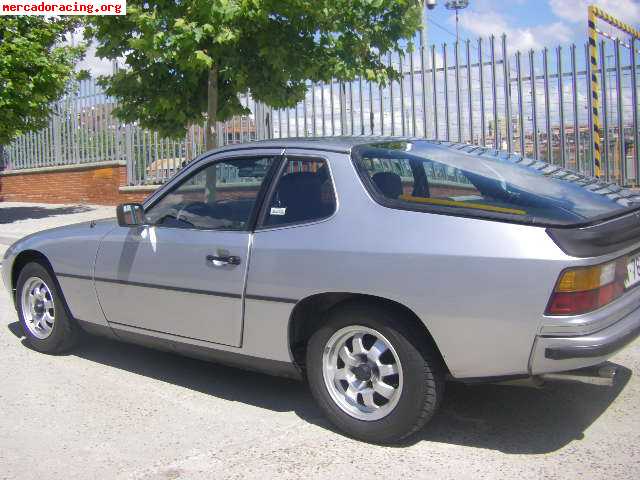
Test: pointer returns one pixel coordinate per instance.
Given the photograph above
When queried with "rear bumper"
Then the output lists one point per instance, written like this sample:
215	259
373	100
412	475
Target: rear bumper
557	354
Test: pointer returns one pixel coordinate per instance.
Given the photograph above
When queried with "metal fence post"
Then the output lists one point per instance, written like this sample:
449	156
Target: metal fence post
507	94
634	104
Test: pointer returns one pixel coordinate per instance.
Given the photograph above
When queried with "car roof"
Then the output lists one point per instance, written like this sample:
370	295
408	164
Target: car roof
339	144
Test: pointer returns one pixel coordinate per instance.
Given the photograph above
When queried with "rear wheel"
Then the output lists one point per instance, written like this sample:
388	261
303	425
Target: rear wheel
42	312
371	375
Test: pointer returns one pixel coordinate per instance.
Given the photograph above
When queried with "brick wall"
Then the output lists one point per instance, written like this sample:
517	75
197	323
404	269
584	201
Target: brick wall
101	184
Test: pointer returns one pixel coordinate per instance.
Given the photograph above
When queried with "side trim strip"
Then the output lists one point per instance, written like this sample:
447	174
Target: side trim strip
73	275
154	285
271	299
179	289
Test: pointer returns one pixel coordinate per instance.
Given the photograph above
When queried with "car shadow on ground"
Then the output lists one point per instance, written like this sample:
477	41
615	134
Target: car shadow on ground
13	214
509	419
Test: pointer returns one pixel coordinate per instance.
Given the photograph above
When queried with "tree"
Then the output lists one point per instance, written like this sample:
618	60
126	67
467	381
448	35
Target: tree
187	61
35	68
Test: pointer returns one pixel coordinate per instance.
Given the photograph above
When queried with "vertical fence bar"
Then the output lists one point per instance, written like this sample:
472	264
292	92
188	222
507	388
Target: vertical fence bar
605	124
620	117
67	118
435	91
343	108
446	92
313	110
507	94
534	109
457	80
158	160
483	129
304	114
279	125
351	106
32	150
494	88
413	95
424	92
74	137
391	106
469	93
270	123
521	136
332	106
634	103
371	118
288	124
402	109
322	85
381	108
576	122
361	100
588	70
547	107
561	107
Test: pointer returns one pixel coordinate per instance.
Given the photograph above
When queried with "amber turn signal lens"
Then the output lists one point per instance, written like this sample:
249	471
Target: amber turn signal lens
588	278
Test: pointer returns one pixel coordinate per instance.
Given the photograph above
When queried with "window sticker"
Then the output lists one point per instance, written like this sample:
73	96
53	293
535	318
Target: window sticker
278	210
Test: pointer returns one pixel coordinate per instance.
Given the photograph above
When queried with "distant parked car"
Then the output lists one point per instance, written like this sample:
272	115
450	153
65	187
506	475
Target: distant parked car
375	267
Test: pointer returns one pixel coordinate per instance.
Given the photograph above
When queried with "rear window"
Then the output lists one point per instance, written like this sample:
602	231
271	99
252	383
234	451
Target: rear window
423	175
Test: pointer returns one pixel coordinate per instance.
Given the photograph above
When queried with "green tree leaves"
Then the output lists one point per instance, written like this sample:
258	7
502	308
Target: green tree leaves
270	47
35	67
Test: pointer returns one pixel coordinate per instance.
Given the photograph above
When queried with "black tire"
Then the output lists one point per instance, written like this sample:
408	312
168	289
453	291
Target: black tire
65	333
423	377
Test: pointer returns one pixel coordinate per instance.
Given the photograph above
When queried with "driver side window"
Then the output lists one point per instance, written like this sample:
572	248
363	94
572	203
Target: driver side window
220	196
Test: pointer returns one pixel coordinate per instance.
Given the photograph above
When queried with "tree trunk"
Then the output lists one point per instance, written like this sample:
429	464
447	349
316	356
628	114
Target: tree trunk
211	135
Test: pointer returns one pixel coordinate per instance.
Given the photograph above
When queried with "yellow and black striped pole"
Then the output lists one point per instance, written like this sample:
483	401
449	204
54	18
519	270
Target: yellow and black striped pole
595	13
595	91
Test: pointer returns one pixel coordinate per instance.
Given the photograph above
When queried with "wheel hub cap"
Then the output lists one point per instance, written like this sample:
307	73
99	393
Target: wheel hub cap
38	308
362	372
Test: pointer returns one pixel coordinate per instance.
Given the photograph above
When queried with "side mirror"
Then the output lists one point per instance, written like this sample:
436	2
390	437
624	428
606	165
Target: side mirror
130	214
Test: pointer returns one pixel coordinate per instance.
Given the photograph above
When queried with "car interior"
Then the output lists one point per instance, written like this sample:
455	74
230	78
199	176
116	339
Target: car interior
299	196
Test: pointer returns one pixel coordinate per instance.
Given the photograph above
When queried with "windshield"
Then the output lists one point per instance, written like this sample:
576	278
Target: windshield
424	175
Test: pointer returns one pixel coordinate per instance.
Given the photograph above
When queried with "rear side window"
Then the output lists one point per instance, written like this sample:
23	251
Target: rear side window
304	193
421	175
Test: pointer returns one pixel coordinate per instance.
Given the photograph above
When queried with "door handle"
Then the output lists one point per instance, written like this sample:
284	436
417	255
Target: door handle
223	260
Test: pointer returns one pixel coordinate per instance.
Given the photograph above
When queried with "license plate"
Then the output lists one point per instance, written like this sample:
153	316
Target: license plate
633	271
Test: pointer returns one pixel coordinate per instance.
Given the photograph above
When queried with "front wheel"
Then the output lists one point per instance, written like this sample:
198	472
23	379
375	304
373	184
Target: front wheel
42	312
372	374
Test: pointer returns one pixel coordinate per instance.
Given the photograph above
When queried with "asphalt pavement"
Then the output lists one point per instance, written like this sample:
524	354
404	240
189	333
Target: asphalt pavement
116	411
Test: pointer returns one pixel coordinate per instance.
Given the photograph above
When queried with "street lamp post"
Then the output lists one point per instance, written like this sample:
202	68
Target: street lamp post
456	5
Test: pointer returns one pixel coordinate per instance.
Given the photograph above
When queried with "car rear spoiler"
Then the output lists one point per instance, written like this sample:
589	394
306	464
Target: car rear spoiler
600	239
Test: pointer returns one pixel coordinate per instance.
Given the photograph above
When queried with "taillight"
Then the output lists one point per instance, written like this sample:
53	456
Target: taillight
584	289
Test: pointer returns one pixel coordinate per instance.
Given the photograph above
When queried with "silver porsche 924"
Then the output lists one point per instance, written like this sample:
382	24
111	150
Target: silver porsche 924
374	267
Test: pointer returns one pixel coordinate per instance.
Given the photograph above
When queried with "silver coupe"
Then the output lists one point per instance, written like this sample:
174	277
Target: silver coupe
376	268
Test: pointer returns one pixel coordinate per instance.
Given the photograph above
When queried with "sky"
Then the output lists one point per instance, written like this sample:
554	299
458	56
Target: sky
529	24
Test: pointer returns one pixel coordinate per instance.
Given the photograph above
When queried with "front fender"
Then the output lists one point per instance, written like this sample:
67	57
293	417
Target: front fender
71	252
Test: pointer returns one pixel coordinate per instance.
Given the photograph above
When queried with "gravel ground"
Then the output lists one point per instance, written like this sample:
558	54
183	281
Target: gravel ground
116	411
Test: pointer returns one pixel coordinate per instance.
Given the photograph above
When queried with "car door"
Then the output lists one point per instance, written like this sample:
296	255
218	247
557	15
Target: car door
296	237
183	273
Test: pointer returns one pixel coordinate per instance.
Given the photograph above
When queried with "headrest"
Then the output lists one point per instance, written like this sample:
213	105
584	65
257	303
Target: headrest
389	183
